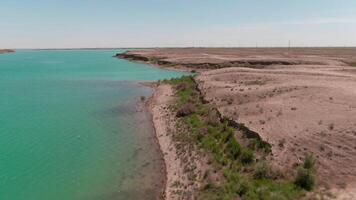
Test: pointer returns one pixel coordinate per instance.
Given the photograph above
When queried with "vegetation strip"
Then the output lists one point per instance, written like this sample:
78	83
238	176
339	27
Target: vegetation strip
243	170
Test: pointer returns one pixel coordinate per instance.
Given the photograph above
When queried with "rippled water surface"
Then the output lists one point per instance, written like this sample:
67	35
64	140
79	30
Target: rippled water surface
71	127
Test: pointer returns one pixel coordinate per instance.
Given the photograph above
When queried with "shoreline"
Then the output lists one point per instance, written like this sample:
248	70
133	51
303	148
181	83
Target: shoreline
143	108
3	51
157	105
157	64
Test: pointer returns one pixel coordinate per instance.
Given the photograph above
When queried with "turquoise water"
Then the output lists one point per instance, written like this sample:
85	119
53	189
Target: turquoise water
71	127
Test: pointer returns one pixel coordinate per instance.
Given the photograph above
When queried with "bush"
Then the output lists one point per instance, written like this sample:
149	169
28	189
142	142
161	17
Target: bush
242	187
246	156
305	175
305	179
233	148
309	162
262	170
226	136
186	109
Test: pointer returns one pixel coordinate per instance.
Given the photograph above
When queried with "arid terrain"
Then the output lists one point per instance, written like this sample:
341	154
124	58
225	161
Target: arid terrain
299	110
213	58
300	100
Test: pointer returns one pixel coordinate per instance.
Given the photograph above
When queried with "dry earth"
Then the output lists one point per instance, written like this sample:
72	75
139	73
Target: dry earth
300	100
299	110
235	57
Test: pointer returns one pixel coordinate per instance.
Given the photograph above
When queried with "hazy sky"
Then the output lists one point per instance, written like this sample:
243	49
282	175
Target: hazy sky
151	23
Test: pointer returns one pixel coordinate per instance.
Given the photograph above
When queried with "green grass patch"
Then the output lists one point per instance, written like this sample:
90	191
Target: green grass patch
243	176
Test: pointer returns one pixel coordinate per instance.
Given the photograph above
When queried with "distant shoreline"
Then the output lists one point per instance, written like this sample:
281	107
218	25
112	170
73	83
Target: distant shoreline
202	47
2	51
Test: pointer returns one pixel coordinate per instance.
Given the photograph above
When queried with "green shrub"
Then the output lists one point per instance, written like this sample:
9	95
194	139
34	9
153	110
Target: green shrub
309	162
233	148
246	156
262	170
242	187
305	174
226	136
305	179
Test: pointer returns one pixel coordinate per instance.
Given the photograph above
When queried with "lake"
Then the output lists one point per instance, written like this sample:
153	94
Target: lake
72	127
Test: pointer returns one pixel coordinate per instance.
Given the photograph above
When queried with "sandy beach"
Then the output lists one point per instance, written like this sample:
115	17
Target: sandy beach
161	117
178	185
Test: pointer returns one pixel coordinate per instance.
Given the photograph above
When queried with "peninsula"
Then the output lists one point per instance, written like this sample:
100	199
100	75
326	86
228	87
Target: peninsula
6	51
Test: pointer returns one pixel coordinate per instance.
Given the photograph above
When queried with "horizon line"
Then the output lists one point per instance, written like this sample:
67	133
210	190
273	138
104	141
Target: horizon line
181	47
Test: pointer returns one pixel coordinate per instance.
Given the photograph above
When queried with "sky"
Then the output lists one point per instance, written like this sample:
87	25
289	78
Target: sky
176	23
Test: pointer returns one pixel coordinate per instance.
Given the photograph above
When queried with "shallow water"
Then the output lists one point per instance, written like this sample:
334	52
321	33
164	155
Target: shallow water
71	127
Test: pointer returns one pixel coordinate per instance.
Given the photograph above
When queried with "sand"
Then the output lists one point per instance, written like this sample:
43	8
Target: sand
181	163
164	125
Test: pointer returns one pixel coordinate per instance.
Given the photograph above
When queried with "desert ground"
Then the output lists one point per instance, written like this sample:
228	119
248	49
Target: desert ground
299	110
300	100
210	58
